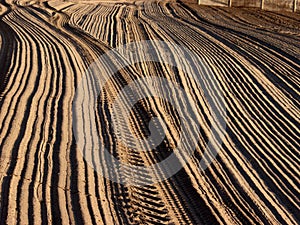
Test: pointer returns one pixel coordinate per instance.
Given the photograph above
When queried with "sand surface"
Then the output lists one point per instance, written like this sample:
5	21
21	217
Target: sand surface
46	48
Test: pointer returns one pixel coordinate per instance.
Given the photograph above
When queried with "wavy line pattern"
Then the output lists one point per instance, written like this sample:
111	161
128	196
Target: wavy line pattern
46	48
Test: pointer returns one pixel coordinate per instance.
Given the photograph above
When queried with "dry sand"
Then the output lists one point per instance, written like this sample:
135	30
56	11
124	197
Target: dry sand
45	49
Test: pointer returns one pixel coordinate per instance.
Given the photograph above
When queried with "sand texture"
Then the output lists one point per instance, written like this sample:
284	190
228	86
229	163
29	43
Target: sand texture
45	50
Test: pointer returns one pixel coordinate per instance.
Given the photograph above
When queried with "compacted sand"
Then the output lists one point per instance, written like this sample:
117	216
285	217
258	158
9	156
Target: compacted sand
46	48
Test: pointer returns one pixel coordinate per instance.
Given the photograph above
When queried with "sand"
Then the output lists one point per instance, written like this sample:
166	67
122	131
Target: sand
46	48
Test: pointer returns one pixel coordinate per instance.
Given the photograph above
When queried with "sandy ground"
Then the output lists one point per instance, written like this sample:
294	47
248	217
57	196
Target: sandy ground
46	48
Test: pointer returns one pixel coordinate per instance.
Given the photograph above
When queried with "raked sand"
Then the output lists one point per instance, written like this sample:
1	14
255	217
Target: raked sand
46	48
